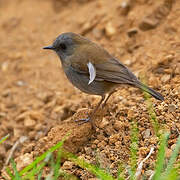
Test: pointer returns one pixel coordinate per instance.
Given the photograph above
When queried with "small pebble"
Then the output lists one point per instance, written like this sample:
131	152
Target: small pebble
148	24
171	108
165	78
168	153
173	146
149	173
118	125
131	32
29	123
146	133
110	29
103	123
67	165
23	160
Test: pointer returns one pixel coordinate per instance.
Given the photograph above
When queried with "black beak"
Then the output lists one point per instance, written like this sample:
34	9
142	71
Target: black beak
49	47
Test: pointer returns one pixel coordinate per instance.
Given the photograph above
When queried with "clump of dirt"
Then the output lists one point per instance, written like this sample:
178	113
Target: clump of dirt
38	102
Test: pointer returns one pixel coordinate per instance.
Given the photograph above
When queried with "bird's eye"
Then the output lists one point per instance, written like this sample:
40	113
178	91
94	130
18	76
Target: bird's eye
63	46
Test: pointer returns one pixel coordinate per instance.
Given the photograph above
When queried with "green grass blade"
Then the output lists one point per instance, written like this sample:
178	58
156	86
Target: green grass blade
17	176
173	175
161	157
133	149
91	168
172	160
40	175
9	172
34	171
4	138
121	171
37	169
150	109
57	165
40	158
152	114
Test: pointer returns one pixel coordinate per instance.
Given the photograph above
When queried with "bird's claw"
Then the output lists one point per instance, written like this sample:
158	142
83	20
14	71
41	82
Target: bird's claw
82	121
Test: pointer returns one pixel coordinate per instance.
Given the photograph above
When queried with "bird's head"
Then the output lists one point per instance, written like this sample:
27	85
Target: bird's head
66	44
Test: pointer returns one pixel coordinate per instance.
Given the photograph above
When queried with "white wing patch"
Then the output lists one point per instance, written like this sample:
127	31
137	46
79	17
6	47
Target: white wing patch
92	72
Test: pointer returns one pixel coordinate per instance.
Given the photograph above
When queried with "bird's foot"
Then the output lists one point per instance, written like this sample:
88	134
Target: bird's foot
84	120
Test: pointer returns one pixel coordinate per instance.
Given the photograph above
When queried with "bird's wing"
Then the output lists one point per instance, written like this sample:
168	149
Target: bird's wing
114	71
111	70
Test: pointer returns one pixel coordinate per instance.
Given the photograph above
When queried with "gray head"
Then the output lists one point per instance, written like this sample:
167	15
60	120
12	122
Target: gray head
66	43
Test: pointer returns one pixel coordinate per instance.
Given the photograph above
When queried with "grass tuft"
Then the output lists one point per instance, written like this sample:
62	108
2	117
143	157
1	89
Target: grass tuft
133	149
4	138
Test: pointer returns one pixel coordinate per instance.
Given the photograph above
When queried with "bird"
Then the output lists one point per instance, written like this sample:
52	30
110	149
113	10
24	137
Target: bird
93	70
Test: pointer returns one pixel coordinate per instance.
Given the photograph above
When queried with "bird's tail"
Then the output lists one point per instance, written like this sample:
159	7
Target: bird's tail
149	90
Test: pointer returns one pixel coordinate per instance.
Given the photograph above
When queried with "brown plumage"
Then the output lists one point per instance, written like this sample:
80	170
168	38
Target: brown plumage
92	69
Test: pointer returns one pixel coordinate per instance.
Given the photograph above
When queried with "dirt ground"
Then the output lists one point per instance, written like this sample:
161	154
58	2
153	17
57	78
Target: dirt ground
39	103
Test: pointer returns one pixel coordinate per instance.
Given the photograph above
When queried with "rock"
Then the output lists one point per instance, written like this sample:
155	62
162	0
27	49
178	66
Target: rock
118	125
148	23
171	108
6	93
17	132
130	114
127	62
22	116
97	33
36	115
173	146
93	146
59	110
4	66
46	97
78	134
28	148
38	127
103	123
146	133
2	114
100	137
67	165
125	7
149	173
143	151
109	130
168	153
110	29
154	81
102	145
96	141
23	160
165	78
90	25
156	16
113	138
20	83
131	32
88	150
28	122
2	152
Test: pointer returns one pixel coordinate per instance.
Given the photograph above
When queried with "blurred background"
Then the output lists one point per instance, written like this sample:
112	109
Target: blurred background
34	92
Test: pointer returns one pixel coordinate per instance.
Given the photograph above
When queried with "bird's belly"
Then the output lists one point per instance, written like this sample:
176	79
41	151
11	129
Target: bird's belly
81	80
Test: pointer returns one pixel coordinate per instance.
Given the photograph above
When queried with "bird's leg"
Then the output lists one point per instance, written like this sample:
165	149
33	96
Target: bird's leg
89	118
98	105
103	105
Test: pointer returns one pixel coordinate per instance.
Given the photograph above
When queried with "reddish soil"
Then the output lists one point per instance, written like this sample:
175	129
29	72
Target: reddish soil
37	101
